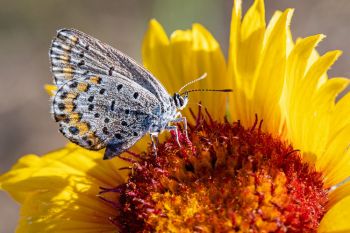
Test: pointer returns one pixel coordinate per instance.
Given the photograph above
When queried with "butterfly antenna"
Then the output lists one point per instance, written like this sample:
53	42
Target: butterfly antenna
193	81
201	90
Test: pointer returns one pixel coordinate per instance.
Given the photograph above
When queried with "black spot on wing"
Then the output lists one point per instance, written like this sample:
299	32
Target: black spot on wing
91	98
105	130
73	85
63	95
110	71
61	106
73	130
81	63
102	91
112	105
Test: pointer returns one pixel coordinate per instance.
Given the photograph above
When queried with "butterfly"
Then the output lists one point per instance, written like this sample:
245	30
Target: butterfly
104	98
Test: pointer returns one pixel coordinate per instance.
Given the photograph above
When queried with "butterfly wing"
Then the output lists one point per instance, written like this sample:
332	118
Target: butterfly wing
76	53
95	111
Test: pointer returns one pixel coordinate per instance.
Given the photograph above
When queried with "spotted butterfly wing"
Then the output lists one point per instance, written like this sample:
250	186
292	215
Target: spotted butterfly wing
76	53
82	67
97	111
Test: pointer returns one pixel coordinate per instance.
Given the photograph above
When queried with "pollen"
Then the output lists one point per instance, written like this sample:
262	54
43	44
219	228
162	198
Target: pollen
228	179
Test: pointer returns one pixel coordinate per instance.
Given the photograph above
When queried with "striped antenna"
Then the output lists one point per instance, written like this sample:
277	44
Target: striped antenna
199	90
193	81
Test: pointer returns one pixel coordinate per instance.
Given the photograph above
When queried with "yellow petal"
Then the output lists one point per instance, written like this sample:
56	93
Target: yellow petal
155	45
340	118
336	220
335	163
50	89
314	74
235	34
251	41
66	208
58	191
237	101
327	93
269	82
338	194
286	85
296	67
253	54
335	168
186	56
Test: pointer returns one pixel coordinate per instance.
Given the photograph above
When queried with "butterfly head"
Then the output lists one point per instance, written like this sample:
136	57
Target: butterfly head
180	100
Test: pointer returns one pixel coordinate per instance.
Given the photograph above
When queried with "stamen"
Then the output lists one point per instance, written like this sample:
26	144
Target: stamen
230	179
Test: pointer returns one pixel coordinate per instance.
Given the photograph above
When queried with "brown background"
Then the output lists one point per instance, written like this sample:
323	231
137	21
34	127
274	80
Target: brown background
26	28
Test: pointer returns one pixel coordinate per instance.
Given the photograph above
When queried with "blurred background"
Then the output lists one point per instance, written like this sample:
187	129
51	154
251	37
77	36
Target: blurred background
27	27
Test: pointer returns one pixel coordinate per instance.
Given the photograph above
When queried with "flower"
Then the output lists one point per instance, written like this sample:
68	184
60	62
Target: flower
57	192
229	179
276	163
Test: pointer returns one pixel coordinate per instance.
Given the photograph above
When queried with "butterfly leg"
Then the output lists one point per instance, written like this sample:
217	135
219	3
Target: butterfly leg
180	118
155	141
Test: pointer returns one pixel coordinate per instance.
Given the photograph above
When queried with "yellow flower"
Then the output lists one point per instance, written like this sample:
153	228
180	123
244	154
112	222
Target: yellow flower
275	79
58	192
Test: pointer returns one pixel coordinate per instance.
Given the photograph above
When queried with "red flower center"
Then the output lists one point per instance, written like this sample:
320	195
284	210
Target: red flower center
228	179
